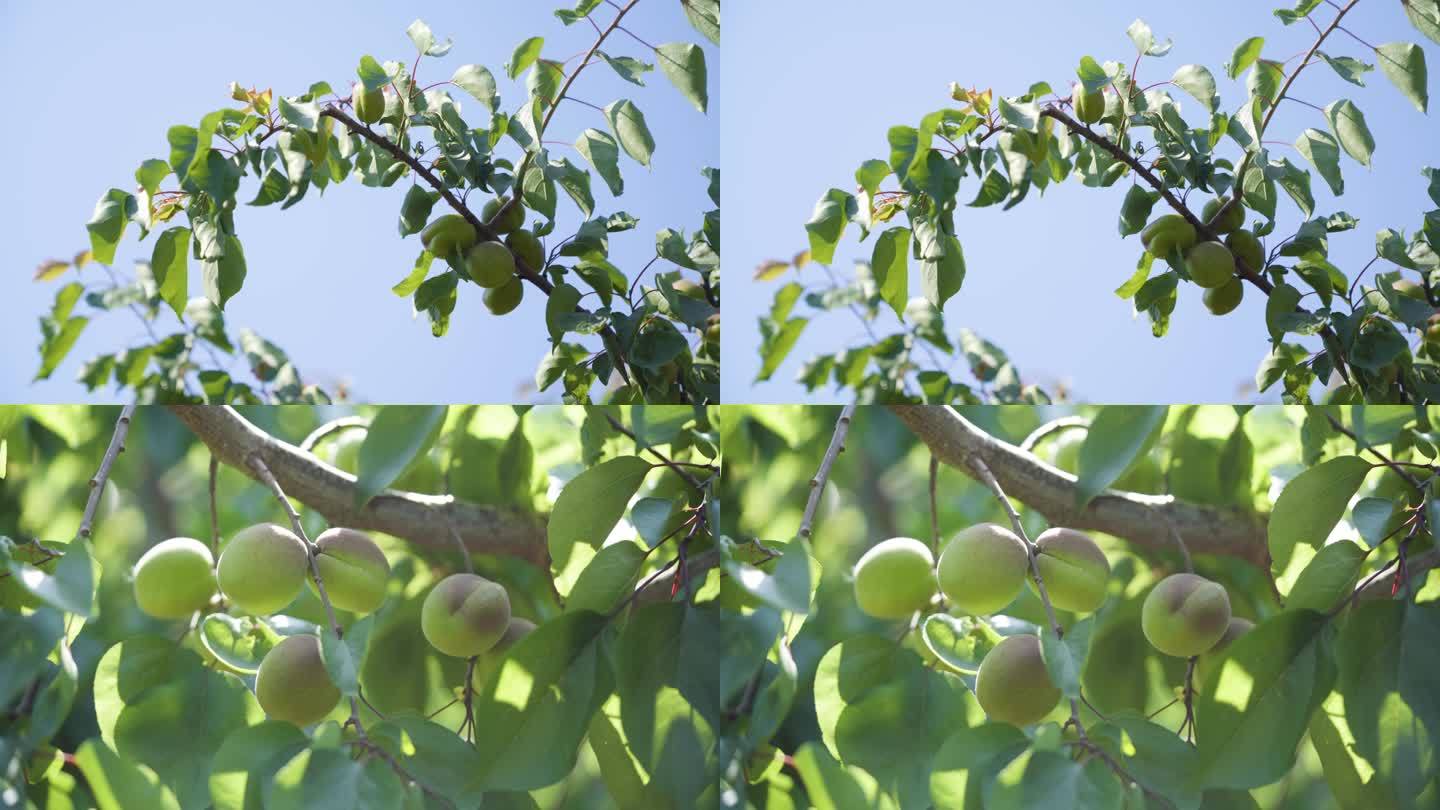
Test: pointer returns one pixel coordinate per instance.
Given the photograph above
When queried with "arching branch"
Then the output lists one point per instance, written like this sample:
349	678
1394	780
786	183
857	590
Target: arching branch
425	520
1139	519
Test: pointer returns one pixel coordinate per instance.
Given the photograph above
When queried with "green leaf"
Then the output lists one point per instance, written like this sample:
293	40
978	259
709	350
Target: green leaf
890	264
524	56
27	641
372	74
343	656
1323	153
478	82
1117	436
415	210
941	278
1065	657
1404	65
1197	81
1135	210
1257	701
239	642
684	65
628	124
609	577
827	224
536	706
777	345
968	760
1348	124
590	505
118	783
437	758
1244	56
170	263
1329	577
1311	504
71	588
1351	70
581	11
787	587
248	759
704	16
602	153
397	436
832	786
107	225
329	777
225	275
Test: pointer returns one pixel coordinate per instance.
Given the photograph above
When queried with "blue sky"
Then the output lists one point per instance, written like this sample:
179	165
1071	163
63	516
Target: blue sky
106	80
821	82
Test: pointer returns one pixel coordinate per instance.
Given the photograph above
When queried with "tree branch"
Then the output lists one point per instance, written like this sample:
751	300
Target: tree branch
487	233
421	519
817	484
97	483
1051	492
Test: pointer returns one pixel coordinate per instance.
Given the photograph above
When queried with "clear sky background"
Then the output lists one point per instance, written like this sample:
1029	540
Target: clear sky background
821	82
104	81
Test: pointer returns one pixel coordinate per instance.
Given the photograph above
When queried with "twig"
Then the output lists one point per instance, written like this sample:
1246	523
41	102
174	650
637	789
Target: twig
817	484
1187	726
97	482
934	505
1408	478
675	466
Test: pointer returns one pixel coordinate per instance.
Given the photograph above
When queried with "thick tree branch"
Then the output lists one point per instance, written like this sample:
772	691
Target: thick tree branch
425	520
1139	519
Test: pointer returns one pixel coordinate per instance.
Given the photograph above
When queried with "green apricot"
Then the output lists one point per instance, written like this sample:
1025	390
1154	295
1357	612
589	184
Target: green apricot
513	220
263	568
1225	298
490	264
1247	249
175	578
525	245
1166	233
369	104
1075	569
1210	264
505	298
1233	219
712	329
1185	615
1432	329
491	659
353	568
292	684
983	568
1089	107
1013	686
895	578
465	615
448	234
1237	628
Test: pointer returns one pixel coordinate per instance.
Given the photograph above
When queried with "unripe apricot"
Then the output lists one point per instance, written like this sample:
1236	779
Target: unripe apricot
175	578
1432	329
369	104
1166	233
465	615
513	219
524	244
1185	615
1013	686
490	660
1089	107
983	568
1232	219
353	568
1210	264
1247	249
505	298
448	235
1225	298
1074	568
292	684
712	329
895	578
263	568
490	264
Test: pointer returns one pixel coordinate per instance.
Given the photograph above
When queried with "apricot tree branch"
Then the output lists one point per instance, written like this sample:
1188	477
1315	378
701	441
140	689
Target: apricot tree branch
1250	274
487	233
1051	492
817	484
97	483
421	519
